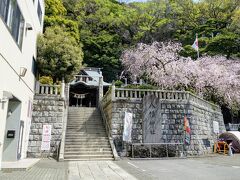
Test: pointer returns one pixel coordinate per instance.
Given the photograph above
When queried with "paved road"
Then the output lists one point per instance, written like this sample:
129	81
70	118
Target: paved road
212	168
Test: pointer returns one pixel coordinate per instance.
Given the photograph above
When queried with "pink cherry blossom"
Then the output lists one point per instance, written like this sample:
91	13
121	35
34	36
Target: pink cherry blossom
161	64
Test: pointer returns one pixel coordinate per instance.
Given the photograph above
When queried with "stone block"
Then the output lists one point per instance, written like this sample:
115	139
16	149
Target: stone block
45	113
57	125
34	131
33	143
60	103
37	137
30	137
35	149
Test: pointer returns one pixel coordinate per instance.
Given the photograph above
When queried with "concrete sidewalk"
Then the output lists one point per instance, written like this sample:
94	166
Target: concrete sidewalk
48	169
97	170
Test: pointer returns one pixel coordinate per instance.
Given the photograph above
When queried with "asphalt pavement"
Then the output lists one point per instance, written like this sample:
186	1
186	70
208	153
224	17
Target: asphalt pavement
205	168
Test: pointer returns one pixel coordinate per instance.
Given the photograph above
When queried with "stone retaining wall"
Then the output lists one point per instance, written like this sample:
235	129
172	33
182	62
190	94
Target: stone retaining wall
170	114
49	110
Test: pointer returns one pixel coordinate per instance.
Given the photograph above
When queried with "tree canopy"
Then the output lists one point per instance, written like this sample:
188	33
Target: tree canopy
105	28
213	77
59	54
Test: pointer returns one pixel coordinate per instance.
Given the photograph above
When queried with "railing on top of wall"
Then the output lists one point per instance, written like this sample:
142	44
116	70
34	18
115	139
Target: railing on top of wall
46	89
134	94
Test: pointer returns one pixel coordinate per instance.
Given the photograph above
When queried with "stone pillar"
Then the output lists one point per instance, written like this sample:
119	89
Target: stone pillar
113	91
37	90
62	88
100	89
125	81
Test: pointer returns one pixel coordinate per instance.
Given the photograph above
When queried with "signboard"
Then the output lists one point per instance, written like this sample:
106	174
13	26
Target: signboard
215	127
80	96
127	131
46	137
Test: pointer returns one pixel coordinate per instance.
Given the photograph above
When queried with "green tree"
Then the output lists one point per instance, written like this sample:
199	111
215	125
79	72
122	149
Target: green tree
59	55
226	44
55	15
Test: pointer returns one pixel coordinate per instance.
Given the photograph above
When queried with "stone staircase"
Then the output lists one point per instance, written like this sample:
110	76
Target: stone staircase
86	137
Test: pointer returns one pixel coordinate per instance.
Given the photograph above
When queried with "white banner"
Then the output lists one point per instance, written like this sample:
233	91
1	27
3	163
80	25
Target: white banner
127	131
46	137
215	127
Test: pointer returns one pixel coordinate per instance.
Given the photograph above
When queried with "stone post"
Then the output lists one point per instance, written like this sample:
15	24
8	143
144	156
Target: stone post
100	89
62	88
113	91
37	87
125	79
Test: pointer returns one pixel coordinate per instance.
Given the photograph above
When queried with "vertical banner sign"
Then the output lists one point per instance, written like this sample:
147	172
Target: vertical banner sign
127	131
215	127
187	131
46	137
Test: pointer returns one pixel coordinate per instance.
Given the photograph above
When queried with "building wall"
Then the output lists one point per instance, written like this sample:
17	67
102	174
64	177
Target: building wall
12	57
170	114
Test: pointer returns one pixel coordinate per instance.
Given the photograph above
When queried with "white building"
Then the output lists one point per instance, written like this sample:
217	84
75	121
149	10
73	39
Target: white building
20	23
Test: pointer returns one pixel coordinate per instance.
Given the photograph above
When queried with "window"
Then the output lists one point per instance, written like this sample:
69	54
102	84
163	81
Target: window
39	11
12	16
4	4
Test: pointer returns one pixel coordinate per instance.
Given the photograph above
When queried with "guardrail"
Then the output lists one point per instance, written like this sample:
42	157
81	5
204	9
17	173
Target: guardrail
233	127
122	93
157	150
46	89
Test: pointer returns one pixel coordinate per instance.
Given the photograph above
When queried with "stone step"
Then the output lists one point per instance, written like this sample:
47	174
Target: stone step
86	143
90	125
85	140
82	133
83	129
84	115
90	159
84	125
68	153
67	139
87	156
86	130
88	148
83	111
84	119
